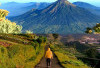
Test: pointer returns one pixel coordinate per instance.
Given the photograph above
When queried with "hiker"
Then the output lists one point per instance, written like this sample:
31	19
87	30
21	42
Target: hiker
48	57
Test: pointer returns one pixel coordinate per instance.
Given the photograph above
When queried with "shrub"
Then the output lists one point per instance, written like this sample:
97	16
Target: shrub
29	32
95	29
7	26
55	36
92	53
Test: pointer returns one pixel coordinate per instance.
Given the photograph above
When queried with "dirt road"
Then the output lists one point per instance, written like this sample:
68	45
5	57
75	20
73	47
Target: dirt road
54	62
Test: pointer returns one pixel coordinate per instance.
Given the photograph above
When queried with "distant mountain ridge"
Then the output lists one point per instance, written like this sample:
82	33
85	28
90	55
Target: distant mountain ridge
25	7
91	8
38	5
85	5
60	17
16	9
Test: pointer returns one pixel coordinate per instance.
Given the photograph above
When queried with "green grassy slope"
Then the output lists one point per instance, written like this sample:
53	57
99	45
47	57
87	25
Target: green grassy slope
67	57
21	51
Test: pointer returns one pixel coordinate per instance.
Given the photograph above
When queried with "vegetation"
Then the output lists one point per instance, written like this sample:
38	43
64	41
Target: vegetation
23	52
28	32
7	26
55	36
78	46
18	50
3	13
95	29
67	59
92	53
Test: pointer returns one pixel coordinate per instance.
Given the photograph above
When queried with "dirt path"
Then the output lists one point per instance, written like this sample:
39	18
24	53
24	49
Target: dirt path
54	62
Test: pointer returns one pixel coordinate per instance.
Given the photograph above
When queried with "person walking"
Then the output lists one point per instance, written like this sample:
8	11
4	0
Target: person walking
48	56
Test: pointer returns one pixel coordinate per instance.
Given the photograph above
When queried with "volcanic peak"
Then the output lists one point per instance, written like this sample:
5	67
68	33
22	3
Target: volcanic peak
65	2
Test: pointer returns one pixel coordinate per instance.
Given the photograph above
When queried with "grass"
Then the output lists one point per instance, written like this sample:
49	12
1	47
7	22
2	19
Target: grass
19	55
67	59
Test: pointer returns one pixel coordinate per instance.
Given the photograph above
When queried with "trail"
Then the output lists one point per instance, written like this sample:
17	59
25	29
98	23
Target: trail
54	62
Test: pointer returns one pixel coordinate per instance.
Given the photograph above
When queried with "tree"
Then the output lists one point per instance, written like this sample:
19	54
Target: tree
55	36
92	53
6	26
3	13
88	30
95	29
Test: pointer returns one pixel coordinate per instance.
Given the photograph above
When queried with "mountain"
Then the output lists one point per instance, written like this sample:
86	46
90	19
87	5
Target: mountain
15	8
21	8
91	8
60	17
38	5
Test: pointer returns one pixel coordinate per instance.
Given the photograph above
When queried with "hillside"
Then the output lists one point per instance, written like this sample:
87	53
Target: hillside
66	51
60	17
26	50
91	8
20	51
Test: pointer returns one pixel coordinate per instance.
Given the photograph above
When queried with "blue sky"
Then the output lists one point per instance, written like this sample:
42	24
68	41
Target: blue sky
94	2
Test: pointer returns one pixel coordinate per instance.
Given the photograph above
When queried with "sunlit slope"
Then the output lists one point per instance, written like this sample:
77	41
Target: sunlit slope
23	50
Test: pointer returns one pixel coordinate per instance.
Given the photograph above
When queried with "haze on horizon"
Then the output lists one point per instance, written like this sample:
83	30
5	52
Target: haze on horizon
94	2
